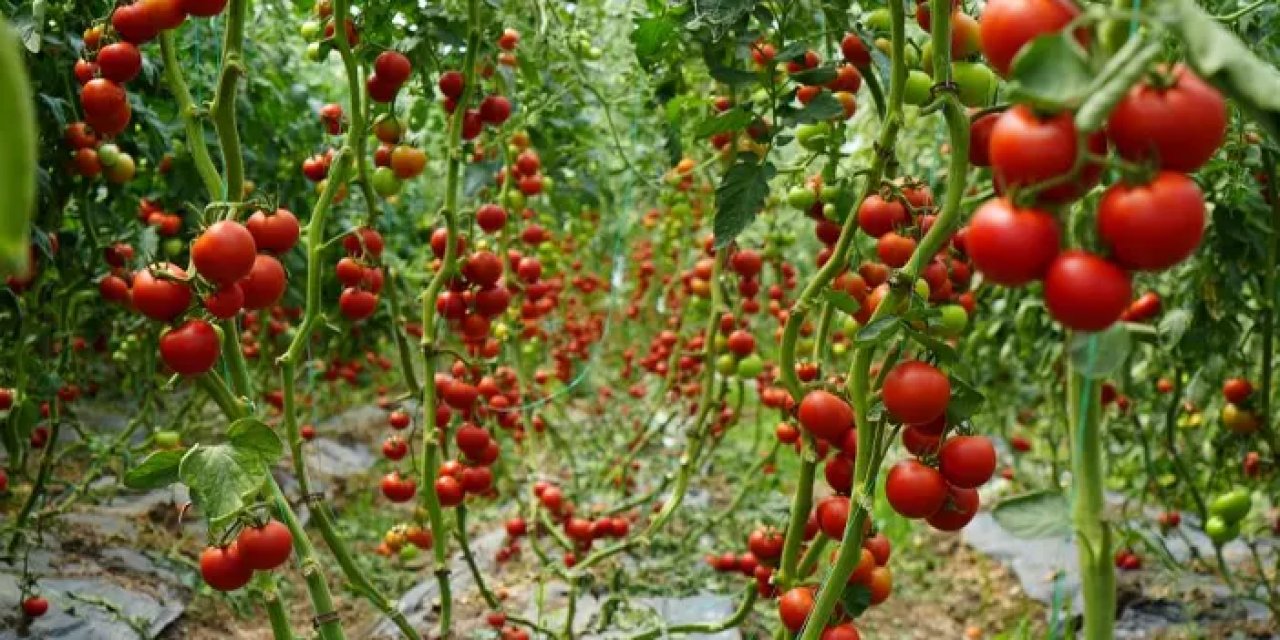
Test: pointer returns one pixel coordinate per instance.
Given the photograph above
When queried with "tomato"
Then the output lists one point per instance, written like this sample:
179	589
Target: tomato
916	392
917	89
477	479
1232	506
385	183
264	284
879	547
190	349
794	607
1220	531
491	218
1154	226
967	461
766	544
915	490
966	35
881	584
1179	126
494	110
1085	292
854	50
976	82
1238	420
276	232
160	299
224	253
895	250
450	84
825	415
877	216
133	23
1144	308
224	569
392	67
397	488
953	321
1237	390
267	547
363	241
165	14
102	99
919	443
204	8
35	606
1027	149
960	507
119	62
449	491
1008	25
528	162
394	448
407	162
482	268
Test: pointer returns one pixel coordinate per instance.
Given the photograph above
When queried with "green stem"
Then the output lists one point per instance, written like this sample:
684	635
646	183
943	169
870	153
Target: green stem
224	102
42	478
357	137
397	333
190	117
735	619
326	621
276	615
1093	532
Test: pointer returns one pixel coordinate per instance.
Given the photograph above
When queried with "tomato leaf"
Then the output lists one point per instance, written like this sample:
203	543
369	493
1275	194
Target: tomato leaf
842	301
816	75
740	197
1098	355
1219	57
1039	514
965	400
823	106
732	120
878	331
17	155
1051	73
731	76
1173	326
224	477
160	469
651	38
945	353
855	599
720	15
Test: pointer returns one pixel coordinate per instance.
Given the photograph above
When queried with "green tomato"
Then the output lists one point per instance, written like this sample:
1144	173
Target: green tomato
547	184
772	252
1220	531
916	91
681	211
1232	506
954	320
926	57
514	200
849	327
721	342
801	198
829	211
787	239
922	288
311	29
108	155
173	247
813	136
878	20
385	182
911	57
839	348
830	192
409	552
528	349
750	366
167	439
593	53
315	52
804	345
976	81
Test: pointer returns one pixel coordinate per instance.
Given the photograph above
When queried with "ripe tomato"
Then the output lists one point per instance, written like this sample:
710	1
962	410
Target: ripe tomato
204	8
916	392
190	349
398	488
919	443
264	284
960	507
482	268
102	99
895	250
449	491
224	253
914	489
1153	226
491	217
794	607
879	546
967	461
881	584
1237	390
35	606
394	448
509	39
119	62
224	569
165	14
844	631
267	547
1085	292
825	415
766	545
450	84
494	110
160	299
276	232
1011	246
1027	149
853	49
862	572
1180	126
877	216
407	162
392	67
833	515
980	139
1007	25
133	23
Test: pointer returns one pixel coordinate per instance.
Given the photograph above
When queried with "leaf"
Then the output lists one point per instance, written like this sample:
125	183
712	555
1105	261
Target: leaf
842	301
160	469
823	106
651	38
1098	355
740	197
1050	73
945	353
479	176
878	331
792	51
731	76
1039	514
731	120
1173	326
17	155
855	599
720	15
224	478
965	401
1218	56
816	75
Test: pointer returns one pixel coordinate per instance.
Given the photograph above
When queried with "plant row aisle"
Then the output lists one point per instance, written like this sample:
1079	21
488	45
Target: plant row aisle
757	318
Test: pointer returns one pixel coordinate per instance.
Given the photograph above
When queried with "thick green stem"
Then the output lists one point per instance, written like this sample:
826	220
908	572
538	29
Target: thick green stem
356	136
42	478
190	117
327	622
224	102
276	614
1093	532
801	504
397	333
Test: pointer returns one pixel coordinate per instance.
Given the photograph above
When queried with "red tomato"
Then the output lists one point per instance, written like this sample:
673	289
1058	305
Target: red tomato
967	461
1154	226
1011	246
916	392
357	304
960	507
265	283
844	631
919	443
190	349
119	62
895	250
825	415
277	232
1007	25
877	216
267	547
397	488
204	8
224	569
224	253
160	299
914	489
133	23
1180	126
980	139
833	516
35	606
853	49
1085	292
879	547
794	607
1027	149
1237	390
392	67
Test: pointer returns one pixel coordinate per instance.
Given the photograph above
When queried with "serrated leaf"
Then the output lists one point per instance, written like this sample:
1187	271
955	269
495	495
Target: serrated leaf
823	106
842	301
225	477
160	469
1098	355
1173	326
1039	514
732	120
816	75
855	599
651	38
1050	73
878	331
740	197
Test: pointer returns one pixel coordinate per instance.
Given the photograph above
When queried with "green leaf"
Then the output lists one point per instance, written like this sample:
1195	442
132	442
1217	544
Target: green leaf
855	599
1050	73
823	106
721	15
1039	514
1218	56
1173	326
17	155
945	353
731	76
732	120
878	331
792	52
225	477
1098	355
842	301
965	401
479	175
816	75
160	469
651	38
740	197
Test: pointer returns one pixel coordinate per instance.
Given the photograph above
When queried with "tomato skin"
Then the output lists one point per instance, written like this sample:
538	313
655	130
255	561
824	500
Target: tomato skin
1085	292
1008	25
919	443
1181	126
190	349
825	415
1144	308
224	253
877	216
1011	246
119	62
833	515
879	547
1237	390
1154	226
794	607
159	299
980	139
277	232
967	461
224	569
392	67
838	472
35	606
267	547
957	511
1026	149
915	490
204	8
264	284
895	250
916	392
881	584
